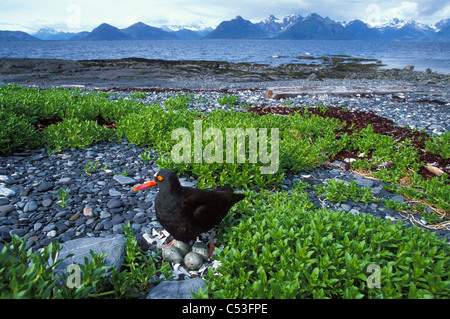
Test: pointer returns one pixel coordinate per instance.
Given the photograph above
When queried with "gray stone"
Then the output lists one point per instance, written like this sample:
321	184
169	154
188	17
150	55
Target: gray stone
37	226
354	211
19	232
398	199
6	209
187	184
176	289
64	181
364	181
376	190
114	193
4	191
346	207
49	227
44	186
47	202
104	214
31	206
118	229
51	233
124	180
114	203
113	246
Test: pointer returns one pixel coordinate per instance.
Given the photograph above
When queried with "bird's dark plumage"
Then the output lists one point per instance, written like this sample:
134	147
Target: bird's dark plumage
187	212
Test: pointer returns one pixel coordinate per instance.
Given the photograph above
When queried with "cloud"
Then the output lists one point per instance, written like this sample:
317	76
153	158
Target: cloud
430	7
77	15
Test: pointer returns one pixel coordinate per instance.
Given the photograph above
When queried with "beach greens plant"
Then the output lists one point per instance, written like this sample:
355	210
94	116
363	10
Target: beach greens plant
227	99
75	133
340	191
90	167
278	245
63	193
137	95
439	145
181	101
16	131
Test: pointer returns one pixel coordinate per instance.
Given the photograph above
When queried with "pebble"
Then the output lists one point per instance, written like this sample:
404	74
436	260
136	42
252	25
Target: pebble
6	209
31	206
87	211
114	193
114	203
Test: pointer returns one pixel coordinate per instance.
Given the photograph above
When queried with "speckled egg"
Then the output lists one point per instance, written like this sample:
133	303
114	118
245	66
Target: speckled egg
193	260
201	249
182	246
172	254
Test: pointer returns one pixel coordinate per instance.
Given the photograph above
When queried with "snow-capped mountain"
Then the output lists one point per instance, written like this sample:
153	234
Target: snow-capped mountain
313	27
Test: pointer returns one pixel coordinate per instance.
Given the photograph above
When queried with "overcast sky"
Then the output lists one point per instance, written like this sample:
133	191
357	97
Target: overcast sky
84	15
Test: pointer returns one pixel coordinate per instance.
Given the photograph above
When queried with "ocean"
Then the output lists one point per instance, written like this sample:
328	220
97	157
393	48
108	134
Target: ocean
394	54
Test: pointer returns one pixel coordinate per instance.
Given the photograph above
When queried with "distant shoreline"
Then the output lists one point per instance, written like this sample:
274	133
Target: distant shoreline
139	72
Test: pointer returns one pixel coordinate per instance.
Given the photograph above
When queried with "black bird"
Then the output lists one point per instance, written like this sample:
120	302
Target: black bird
187	212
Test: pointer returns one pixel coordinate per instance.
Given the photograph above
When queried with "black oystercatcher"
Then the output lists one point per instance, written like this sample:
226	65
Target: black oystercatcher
187	212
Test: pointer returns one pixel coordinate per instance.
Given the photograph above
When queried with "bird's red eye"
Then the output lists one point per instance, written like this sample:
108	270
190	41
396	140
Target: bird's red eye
160	178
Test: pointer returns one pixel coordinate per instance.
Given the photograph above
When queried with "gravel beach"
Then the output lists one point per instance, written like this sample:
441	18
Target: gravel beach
102	202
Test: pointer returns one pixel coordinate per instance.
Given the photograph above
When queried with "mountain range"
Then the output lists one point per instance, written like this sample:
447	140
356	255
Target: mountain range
293	27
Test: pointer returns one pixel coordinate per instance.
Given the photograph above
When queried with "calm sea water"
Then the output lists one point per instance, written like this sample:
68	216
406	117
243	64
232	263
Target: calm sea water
423	55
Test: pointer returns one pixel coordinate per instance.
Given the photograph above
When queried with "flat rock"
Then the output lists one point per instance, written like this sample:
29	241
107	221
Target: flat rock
113	246
176	289
124	180
6	209
114	203
44	186
64	181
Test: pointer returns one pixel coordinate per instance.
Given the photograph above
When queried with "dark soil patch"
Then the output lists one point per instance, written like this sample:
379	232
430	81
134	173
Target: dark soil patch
42	124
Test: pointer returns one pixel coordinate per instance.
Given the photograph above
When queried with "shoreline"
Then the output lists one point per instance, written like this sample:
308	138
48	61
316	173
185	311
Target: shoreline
206	75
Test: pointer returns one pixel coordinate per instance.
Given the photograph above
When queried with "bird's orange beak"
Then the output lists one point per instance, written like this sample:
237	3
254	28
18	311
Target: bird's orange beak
145	185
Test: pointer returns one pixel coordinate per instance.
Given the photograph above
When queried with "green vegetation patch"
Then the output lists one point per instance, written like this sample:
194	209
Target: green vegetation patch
282	247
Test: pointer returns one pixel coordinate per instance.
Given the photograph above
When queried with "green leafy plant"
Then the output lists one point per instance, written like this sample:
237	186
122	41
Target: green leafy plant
230	100
281	246
90	167
26	274
137	95
340	191
439	145
63	193
146	156
181	101
75	133
16	131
